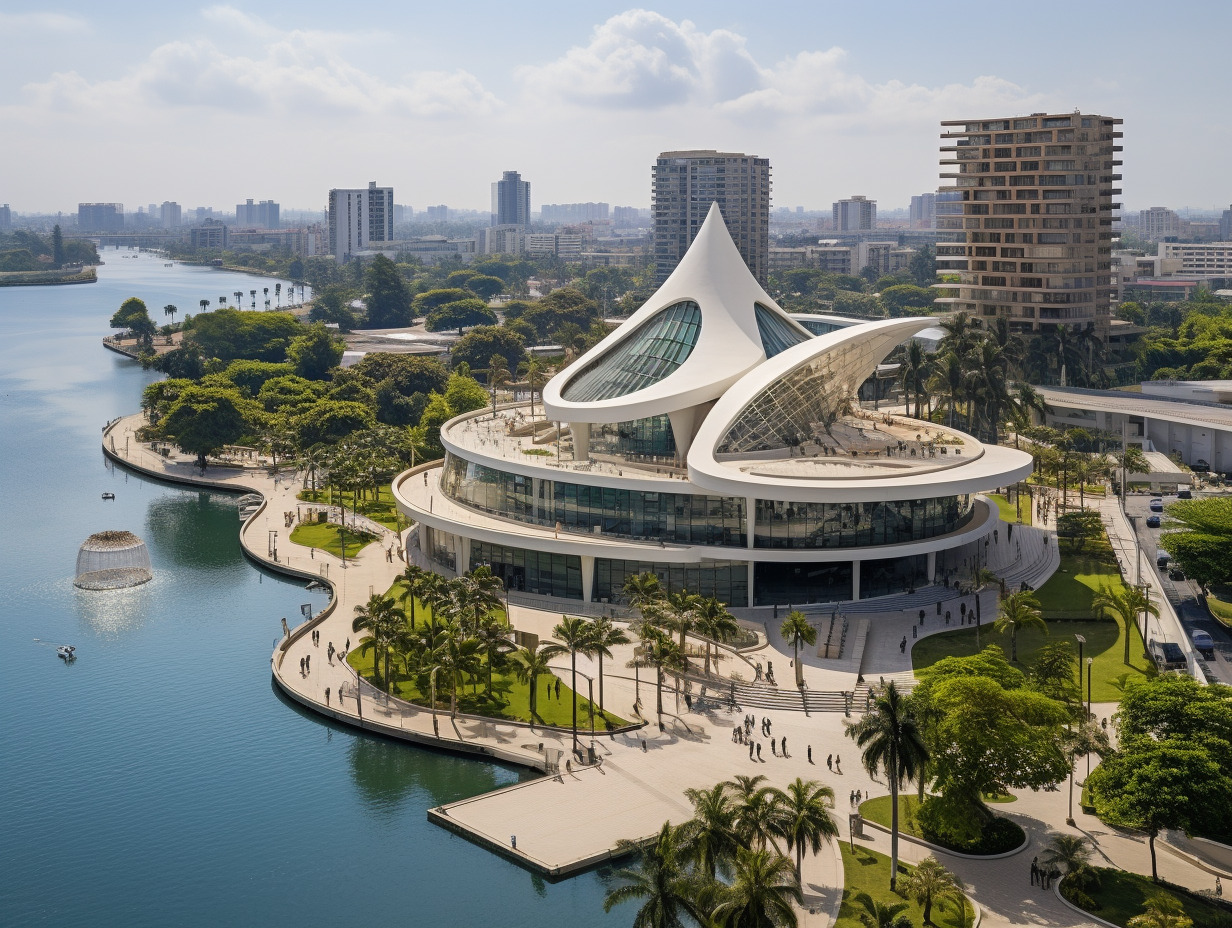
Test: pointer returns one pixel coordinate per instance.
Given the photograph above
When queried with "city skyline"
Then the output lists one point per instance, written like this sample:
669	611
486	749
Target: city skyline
148	102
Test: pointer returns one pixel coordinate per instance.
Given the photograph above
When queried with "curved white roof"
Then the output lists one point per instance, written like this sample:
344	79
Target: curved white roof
706	358
839	361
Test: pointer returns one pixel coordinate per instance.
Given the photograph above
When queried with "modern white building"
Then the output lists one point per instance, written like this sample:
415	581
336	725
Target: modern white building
357	218
715	441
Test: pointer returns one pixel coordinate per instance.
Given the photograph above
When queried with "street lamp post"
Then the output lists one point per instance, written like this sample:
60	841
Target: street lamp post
1090	661
1081	641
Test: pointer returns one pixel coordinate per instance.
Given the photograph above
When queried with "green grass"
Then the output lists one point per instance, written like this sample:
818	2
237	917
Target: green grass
1104	644
866	871
509	700
1122	895
1219	601
1009	510
878	810
329	537
1068	592
380	508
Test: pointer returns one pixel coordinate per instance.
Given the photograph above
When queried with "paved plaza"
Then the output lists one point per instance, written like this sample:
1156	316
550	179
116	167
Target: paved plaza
578	815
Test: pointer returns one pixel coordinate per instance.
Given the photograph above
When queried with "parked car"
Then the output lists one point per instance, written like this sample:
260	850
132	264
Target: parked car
1200	466
1184	493
1203	643
1157	505
1162	559
1168	655
1152	521
1176	574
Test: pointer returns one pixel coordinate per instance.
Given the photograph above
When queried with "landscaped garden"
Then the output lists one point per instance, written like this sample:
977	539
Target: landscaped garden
867	873
330	537
999	836
1119	896
1011	511
378	507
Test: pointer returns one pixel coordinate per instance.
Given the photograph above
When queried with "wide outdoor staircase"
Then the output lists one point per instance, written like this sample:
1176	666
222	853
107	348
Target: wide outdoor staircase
747	695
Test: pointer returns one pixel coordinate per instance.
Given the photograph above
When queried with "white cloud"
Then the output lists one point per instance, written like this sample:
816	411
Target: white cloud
15	24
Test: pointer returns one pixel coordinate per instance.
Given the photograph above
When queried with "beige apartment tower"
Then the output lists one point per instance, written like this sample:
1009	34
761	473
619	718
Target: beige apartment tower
685	183
1033	241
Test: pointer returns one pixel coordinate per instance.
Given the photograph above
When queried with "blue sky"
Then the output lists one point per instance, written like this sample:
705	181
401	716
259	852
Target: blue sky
208	104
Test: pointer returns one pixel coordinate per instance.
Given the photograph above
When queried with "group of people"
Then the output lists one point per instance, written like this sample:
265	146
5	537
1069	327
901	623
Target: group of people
743	734
1042	876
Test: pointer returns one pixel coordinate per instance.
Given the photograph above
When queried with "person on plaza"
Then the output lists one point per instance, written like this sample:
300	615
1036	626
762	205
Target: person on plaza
750	750
830	762
327	695
784	745
774	748
759	750
838	763
1034	870
810	753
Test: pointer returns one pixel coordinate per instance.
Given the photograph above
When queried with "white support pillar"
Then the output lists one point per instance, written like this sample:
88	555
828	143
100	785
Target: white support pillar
752	598
588	577
581	440
464	554
855	581
932	567
750	520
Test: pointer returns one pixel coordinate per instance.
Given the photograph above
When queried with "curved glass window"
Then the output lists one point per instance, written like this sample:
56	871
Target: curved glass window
642	438
777	334
657	347
684	518
852	525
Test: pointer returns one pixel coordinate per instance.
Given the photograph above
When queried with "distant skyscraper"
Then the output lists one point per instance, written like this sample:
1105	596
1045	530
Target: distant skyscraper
685	183
574	212
438	213
359	217
100	217
856	214
1225	225
169	215
262	215
1159	224
6	218
511	200
1033	243
923	211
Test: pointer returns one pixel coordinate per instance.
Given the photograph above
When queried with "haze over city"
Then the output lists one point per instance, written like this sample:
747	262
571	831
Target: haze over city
202	103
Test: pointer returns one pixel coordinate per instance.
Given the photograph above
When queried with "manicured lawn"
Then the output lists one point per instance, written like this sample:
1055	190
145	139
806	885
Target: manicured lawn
1122	895
878	810
1219	601
866	871
1104	644
510	699
380	508
329	537
1068	592
1009	510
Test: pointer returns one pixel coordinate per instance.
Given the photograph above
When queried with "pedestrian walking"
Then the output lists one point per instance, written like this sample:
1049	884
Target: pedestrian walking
851	798
830	762
301	666
558	689
1034	870
750	750
759	750
810	753
327	695
947	617
902	645
784	745
308	662
774	747
859	796
838	763
1218	887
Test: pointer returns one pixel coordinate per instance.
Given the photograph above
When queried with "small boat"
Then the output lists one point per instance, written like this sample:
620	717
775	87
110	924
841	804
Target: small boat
66	652
169	264
108	496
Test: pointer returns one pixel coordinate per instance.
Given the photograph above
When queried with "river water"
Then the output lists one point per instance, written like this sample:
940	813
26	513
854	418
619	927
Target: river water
160	779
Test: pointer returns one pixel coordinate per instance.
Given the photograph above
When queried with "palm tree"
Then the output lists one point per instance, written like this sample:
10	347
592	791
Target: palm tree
891	741
714	622
532	663
660	652
1126	604
661	881
456	655
796	629
745	786
492	636
710	835
1019	610
757	818
949	377
1069	851
532	370
762	894
1162	911
254	298
383	621
930	882
883	914
804	818
204	304
278	293
604	635
574	635
222	301
239	296
681	608
912	373
645	594
170	310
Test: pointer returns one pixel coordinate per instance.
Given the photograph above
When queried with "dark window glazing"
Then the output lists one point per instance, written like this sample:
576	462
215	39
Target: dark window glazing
852	525
796	584
727	581
777	333
531	571
651	437
885	576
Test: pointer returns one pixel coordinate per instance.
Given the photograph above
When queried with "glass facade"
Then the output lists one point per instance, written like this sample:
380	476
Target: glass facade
796	584
531	571
727	581
884	576
657	347
650	437
852	525
682	518
777	334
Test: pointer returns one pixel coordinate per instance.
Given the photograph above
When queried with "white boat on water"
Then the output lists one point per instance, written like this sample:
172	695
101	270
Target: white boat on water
67	652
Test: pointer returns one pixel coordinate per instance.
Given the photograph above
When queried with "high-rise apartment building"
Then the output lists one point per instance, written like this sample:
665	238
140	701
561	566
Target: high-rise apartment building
1225	225
922	213
574	212
685	183
262	215
100	217
438	213
1159	224
169	215
511	200
1033	243
6	218
359	217
855	214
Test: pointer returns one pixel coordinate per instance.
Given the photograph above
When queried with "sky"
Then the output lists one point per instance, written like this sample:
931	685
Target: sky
209	104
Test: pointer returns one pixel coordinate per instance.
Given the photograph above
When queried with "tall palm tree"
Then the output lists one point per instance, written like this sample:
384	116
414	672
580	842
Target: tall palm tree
532	663
486	588
949	377
383	621
1019	610
170	310
710	835
222	301
278	293
796	629
745	786
254	298
891	742
604	635
455	655
763	893
492	636
757	818
409	578
681	608
660	652
913	373
661	882
883	914
715	622
573	633
239	297
930	882
1126	604
1071	852
204	304
804	818
532	370
645	594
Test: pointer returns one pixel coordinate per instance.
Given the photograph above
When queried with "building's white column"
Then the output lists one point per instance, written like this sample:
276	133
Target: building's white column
855	581
581	440
588	577
752	598
932	567
464	554
750	516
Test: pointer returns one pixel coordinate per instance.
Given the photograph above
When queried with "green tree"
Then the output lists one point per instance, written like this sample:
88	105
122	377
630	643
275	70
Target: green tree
1019	610
891	742
712	620
1125	604
1162	911
797	630
574	634
315	353
901	299
804	818
330	421
465	394
460	314
762	894
604	635
710	839
484	286
1200	538
228	334
1071	852
477	346
929	883
660	881
1052	672
435	414
133	316
532	663
57	246
883	914
430	300
383	622
923	266
332	303
388	299
204	419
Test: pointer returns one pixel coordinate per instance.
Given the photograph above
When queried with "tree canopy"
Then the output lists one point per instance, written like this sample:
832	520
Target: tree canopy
203	419
460	314
388	298
477	346
1200	538
315	353
230	334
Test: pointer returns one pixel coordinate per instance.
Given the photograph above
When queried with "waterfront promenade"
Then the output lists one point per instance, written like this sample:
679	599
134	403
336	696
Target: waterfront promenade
572	818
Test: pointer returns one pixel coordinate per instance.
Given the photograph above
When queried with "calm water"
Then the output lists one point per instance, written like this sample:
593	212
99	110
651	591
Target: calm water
160	780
